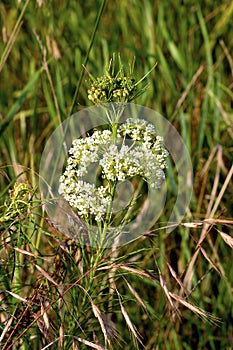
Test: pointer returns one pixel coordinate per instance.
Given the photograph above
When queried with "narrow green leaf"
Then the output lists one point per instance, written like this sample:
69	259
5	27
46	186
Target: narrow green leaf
16	106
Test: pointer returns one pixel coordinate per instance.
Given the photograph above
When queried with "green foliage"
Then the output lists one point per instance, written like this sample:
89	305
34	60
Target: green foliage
55	291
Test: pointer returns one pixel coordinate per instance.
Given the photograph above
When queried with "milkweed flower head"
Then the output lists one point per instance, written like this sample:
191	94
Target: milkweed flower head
136	151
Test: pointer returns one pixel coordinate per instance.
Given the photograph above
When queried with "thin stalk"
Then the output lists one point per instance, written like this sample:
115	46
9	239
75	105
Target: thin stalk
87	56
209	59
13	37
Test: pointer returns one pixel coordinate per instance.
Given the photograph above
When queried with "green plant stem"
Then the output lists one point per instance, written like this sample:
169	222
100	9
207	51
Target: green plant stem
87	56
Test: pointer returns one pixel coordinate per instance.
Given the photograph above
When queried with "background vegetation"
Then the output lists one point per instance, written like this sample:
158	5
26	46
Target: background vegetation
49	292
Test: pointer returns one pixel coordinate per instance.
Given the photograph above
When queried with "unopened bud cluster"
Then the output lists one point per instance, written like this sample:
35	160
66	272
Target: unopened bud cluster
112	89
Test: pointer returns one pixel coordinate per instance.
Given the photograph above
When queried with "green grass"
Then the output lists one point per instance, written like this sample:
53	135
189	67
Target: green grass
54	291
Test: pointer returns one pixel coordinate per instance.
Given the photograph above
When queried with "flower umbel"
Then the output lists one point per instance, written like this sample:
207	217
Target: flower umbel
136	151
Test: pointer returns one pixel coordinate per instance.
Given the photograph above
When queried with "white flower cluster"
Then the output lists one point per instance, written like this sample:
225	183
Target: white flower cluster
145	157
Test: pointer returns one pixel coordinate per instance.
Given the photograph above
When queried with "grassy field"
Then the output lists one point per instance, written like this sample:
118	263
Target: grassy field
164	290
